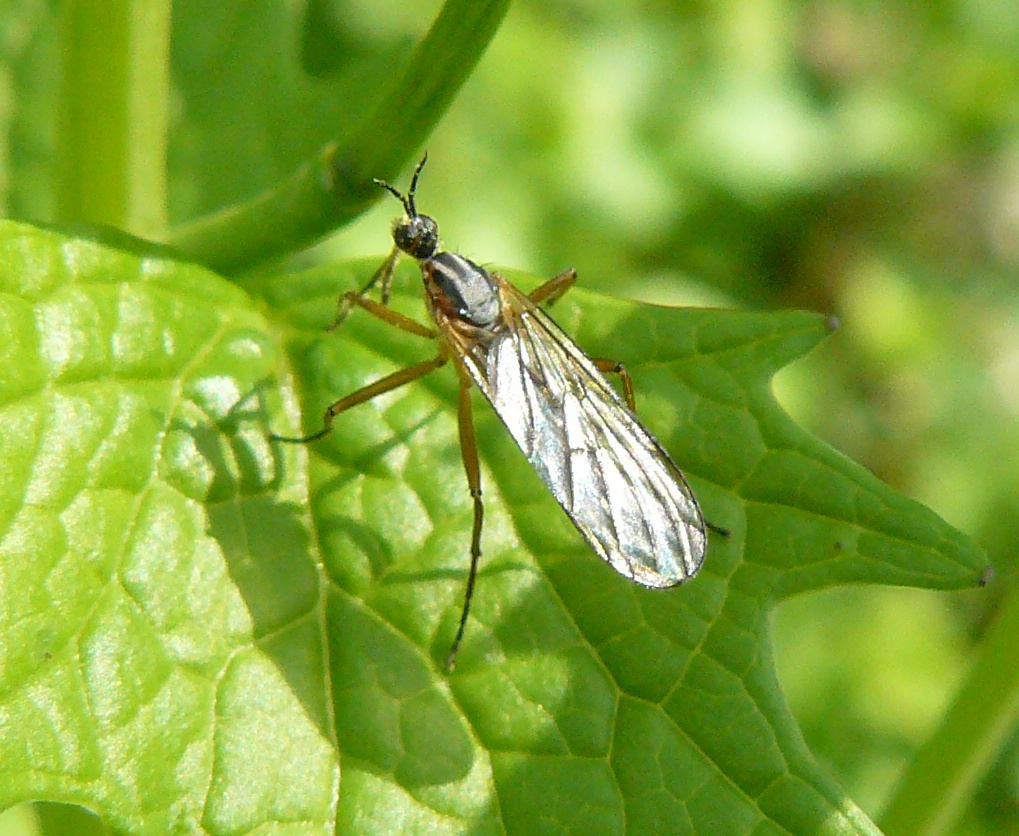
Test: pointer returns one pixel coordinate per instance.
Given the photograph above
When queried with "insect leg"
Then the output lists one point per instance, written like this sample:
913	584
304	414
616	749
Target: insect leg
554	289
366	393
390	317
469	451
384	275
724	532
618	368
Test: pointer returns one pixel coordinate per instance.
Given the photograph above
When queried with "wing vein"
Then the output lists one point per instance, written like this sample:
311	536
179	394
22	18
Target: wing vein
614	480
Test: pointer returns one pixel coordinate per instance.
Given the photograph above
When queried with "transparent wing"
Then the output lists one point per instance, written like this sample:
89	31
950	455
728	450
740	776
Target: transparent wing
617	484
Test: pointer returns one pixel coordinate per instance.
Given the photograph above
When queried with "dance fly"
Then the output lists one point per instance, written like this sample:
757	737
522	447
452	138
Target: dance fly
612	478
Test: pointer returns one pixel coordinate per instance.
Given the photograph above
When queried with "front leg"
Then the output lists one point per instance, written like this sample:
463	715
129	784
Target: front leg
383	276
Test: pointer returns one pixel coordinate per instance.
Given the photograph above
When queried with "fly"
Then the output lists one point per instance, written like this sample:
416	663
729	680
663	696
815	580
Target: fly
612	478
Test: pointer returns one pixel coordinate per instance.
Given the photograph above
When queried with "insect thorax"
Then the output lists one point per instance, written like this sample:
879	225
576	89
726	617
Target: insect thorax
463	289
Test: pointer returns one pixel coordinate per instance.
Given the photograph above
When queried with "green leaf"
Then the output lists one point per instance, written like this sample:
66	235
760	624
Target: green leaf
153	666
200	627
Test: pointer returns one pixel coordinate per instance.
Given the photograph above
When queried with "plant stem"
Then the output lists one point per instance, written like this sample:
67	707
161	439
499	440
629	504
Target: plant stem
337	186
944	772
113	119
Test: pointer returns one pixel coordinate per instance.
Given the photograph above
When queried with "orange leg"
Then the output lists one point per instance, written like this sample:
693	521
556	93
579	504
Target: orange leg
554	289
383	275
618	368
372	390
551	292
469	451
390	317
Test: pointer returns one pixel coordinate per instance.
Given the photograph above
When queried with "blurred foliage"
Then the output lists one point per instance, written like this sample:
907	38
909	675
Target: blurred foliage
856	158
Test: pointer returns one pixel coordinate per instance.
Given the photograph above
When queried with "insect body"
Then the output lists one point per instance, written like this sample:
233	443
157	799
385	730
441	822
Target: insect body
619	487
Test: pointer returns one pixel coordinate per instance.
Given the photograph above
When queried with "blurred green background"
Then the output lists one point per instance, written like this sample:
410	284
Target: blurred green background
855	158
